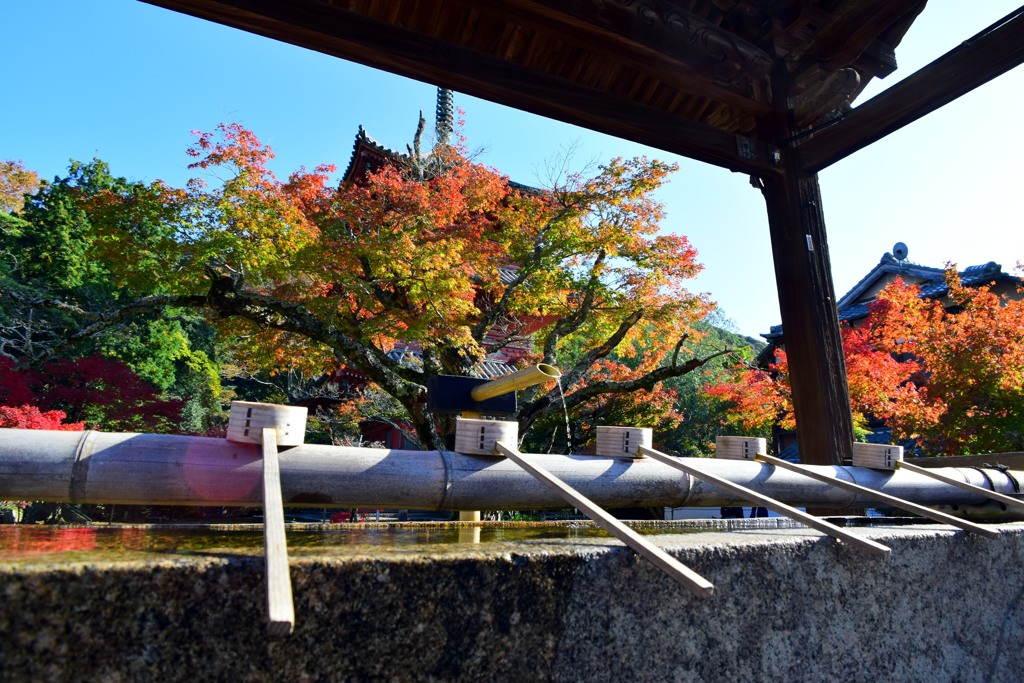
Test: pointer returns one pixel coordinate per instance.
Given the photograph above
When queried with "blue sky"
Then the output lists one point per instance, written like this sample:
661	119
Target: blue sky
127	82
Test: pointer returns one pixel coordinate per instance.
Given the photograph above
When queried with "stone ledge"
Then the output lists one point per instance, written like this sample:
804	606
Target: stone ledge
789	605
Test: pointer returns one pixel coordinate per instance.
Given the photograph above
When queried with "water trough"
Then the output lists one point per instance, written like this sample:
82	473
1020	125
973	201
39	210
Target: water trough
553	608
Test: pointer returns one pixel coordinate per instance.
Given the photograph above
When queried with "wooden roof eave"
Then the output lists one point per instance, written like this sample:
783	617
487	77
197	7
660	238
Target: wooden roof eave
699	88
851	30
659	38
334	30
969	65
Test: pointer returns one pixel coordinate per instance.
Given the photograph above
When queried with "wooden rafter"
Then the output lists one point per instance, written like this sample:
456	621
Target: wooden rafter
850	30
659	38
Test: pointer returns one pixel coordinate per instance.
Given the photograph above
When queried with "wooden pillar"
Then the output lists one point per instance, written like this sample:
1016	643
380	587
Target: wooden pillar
810	322
803	274
807	302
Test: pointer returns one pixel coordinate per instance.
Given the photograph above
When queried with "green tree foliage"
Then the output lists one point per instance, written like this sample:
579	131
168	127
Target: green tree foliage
683	418
164	352
702	417
52	276
56	250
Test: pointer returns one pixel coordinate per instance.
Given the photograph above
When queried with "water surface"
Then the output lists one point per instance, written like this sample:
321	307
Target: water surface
32	543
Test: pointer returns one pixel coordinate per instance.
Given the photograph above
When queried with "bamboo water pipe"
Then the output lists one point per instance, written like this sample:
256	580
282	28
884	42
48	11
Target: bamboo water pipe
884	498
157	469
521	379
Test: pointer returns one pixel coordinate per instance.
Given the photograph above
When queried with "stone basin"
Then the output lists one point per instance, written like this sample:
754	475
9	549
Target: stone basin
511	602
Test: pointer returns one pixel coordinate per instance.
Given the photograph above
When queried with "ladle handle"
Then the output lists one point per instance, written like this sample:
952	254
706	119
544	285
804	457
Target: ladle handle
696	583
941	517
280	608
821	525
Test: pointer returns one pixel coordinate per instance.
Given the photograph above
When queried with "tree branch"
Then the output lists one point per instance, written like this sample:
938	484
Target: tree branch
526	268
590	357
530	413
574	321
493	314
228	297
101	321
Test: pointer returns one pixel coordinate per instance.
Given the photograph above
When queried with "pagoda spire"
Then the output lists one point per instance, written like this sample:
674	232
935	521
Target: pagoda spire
445	115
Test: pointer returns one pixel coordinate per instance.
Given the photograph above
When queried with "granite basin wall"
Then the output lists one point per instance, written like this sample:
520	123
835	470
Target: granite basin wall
789	605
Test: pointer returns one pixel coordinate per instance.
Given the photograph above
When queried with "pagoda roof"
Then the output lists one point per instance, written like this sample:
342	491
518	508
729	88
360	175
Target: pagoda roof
366	152
364	149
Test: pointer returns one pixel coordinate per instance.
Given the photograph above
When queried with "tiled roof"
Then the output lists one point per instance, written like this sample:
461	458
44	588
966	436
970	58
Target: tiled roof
489	368
508	274
363	140
888	265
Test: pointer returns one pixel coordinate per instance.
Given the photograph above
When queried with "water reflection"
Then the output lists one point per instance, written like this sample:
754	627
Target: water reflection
30	543
33	544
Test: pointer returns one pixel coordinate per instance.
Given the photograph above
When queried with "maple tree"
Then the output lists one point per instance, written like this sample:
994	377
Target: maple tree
90	392
30	417
437	251
15	182
947	375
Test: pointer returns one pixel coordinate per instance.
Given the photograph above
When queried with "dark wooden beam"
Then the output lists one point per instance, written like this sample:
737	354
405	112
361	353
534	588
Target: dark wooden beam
326	28
810	324
973	63
657	38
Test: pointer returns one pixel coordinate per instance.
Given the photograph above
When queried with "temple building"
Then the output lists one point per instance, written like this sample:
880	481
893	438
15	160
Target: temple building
853	306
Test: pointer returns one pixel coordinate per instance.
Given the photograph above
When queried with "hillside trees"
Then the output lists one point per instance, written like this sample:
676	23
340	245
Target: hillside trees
947	375
16	181
437	251
704	415
685	419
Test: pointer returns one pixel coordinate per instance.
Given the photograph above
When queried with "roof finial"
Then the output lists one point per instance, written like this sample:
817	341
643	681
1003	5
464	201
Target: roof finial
445	116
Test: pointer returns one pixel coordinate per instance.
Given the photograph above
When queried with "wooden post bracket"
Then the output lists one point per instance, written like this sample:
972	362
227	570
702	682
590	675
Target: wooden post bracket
696	583
883	497
865	544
